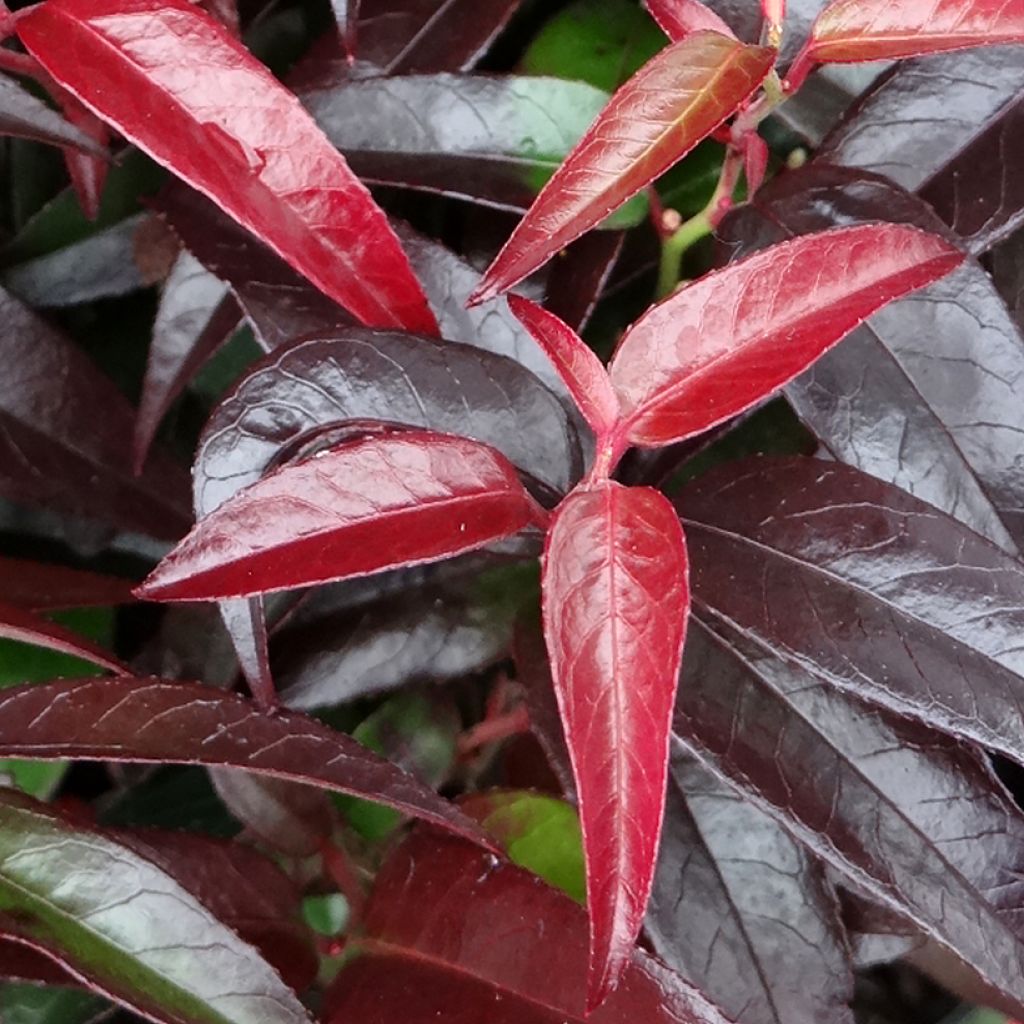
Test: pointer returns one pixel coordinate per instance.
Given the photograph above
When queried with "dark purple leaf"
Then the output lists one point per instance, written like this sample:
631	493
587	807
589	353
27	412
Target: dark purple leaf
56	451
18	624
20	963
579	274
154	721
1008	274
43	587
448	929
933	419
742	911
27	117
197	314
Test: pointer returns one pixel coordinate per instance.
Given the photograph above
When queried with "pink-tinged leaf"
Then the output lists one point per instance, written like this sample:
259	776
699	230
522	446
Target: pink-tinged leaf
848	31
755	161
41	587
675	100
155	721
88	172
378	503
576	363
774	11
455	935
681	18
18	624
346	14
722	344
235	134
616	600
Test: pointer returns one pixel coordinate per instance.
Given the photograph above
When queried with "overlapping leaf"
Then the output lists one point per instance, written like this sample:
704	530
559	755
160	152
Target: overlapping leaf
449	928
657	117
933	418
1008	274
680	18
615	606
28	117
42	587
578	279
265	164
22	625
716	348
158	722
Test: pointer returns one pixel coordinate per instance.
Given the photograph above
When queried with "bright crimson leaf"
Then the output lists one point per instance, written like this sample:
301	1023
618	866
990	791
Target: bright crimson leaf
656	118
19	624
848	31
680	18
377	503
576	363
719	346
237	135
616	601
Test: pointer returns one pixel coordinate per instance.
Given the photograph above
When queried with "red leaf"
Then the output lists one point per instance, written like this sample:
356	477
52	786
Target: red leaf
616	601
88	173
377	503
678	98
774	11
576	363
21	625
848	31
718	347
681	18
45	588
235	134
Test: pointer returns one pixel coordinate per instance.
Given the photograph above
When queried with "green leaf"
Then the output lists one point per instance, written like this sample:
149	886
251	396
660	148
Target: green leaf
31	1004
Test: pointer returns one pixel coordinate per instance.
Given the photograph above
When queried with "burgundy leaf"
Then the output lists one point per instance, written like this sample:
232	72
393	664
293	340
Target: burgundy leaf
154	721
197	314
361	376
742	911
27	117
1008	275
42	587
20	963
57	452
585	377
450	931
922	113
680	18
898	603
368	505
478	137
18	624
578	277
88	172
716	348
615	608
266	164
903	812
860	30
246	623
932	419
655	119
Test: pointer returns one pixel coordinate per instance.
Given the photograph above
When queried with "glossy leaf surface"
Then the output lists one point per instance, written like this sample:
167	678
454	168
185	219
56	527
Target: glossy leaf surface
77	896
154	721
615	607
577	365
741	910
43	587
369	505
578	279
657	117
265	164
716	348
860	30
932	419
680	18
28	117
55	451
365	376
449	928
18	624
483	138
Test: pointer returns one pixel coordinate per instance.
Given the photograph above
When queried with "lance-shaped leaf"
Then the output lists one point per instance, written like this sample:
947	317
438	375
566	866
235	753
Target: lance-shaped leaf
88	172
860	30
576	363
718	347
932	419
742	911
878	593
28	117
615	607
447	928
54	449
902	811
44	587
485	139
197	314
153	721
79	897
346	14
18	624
681	18
235	134
379	503
656	118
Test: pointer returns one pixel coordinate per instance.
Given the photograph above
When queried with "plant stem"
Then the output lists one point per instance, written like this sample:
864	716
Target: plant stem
674	248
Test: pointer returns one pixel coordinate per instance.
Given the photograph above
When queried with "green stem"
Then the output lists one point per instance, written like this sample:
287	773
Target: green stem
674	248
